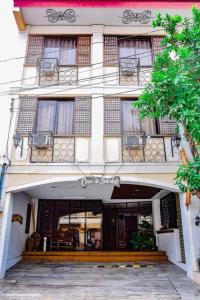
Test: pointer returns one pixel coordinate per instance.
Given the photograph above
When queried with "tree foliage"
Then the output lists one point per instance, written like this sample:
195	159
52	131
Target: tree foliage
174	90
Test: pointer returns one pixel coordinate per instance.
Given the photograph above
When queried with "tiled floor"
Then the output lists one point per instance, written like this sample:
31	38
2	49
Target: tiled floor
79	281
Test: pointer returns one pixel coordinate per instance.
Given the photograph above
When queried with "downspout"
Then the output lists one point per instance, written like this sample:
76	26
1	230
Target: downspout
2	175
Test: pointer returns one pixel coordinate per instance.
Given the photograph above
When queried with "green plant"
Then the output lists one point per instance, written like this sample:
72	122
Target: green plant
174	89
144	238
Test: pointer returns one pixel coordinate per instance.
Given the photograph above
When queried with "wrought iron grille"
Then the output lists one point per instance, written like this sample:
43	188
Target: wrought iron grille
153	151
62	150
59	75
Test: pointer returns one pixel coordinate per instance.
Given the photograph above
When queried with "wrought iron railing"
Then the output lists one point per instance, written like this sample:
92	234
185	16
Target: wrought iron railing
51	73
61	149
152	150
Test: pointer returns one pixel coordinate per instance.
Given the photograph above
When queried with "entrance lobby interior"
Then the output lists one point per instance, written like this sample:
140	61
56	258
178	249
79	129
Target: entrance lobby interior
90	224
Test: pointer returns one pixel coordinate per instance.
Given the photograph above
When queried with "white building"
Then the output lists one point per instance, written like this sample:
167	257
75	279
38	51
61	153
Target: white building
85	63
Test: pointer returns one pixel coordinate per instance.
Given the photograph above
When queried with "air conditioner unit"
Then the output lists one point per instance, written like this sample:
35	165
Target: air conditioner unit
41	141
47	67
127	71
133	141
128	67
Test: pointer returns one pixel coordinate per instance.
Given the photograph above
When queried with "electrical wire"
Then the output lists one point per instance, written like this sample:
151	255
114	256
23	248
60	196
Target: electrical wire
93	43
103	76
92	69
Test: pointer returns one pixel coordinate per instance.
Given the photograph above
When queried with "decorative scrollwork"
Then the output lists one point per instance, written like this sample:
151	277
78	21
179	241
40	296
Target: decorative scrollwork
129	16
54	16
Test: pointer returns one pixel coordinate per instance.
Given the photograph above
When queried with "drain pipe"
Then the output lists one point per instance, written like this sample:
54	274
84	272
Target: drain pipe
2	178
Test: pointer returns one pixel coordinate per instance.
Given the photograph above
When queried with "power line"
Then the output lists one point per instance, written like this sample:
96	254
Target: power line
79	87
38	87
70	48
111	60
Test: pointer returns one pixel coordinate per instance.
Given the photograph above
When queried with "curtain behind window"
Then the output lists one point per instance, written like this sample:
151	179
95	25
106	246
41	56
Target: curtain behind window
46	116
130	117
64	49
131	121
68	51
65	117
135	48
52	48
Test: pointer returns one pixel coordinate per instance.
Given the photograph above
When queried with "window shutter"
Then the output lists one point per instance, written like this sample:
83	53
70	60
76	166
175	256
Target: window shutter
35	48
112	116
26	117
84	50
82	118
156	45
110	50
167	126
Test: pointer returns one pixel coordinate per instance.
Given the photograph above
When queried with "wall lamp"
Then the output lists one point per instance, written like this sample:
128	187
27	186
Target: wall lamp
18	141
175	142
197	220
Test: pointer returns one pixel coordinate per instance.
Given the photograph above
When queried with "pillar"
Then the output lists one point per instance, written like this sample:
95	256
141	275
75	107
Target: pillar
5	232
191	234
97	95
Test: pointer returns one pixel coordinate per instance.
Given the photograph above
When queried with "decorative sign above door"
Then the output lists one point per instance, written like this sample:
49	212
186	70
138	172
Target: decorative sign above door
130	16
85	181
67	15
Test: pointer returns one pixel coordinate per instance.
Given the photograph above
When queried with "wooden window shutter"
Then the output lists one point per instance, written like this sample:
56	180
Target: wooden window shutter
83	116
84	50
110	50
35	48
112	116
156	45
26	117
167	126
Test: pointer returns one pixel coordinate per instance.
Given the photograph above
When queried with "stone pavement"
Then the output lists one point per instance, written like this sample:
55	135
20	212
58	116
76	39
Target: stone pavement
84	281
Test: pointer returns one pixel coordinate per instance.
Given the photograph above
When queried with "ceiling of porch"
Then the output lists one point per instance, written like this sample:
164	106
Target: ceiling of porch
74	190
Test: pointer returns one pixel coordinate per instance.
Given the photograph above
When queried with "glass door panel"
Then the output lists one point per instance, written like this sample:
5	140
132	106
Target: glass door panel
93	230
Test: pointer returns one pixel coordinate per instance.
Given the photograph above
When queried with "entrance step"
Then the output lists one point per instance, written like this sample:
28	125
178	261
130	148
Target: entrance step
96	256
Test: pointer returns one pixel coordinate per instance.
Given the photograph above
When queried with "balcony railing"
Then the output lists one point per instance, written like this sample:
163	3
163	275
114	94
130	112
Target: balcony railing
152	150
58	149
51	73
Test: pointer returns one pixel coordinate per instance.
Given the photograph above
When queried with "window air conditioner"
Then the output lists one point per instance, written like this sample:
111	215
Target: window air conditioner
47	67
41	141
133	141
128	67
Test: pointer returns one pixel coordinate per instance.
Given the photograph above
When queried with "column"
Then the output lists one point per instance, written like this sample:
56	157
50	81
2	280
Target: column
156	216
97	95
5	233
191	234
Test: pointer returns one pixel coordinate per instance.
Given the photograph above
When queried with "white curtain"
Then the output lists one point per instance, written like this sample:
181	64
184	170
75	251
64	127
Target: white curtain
68	51
52	48
64	49
130	117
65	117
46	116
135	48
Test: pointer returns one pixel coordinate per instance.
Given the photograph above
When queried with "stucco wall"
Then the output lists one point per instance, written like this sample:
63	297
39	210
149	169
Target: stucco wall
17	234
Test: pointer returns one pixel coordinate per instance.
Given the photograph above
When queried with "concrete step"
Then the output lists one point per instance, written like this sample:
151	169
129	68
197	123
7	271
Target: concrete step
96	256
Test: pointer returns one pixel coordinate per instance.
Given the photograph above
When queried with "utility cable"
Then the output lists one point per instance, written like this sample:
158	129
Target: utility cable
93	43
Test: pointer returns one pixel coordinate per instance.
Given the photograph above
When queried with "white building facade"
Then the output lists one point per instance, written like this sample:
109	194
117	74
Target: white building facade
85	63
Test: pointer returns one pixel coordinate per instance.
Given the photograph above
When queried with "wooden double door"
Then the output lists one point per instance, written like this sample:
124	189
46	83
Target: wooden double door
118	228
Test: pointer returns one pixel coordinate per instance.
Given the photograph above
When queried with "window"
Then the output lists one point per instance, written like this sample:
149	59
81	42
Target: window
130	117
64	49
131	121
116	47
55	116
136	48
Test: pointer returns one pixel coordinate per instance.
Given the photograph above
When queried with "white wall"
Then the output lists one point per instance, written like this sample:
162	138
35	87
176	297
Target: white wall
17	234
13	45
170	243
